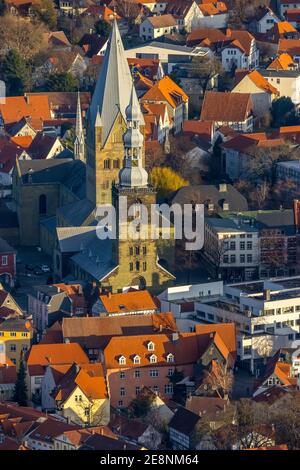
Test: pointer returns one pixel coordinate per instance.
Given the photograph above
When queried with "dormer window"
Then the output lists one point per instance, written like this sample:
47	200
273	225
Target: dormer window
136	359
153	359
122	360
150	346
170	358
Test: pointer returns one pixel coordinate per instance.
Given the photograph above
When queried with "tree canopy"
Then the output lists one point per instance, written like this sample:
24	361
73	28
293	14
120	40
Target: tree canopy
61	82
166	181
283	112
15	73
20	390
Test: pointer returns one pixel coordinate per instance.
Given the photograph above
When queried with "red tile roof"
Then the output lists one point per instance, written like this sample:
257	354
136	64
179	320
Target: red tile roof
36	107
44	354
124	302
226	107
166	90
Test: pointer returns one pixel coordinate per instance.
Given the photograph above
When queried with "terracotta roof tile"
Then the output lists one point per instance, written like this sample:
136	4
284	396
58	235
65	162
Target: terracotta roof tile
283	62
17	107
166	90
226	107
162	21
45	354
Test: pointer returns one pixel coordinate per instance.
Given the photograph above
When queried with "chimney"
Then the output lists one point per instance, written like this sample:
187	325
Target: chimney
27	98
267	294
175	337
160	328
109	294
222	187
296	207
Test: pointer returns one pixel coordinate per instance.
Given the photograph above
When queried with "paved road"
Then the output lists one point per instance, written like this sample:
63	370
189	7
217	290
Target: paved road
27	279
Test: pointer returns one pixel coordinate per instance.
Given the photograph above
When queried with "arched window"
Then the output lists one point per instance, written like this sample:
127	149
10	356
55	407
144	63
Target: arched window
43	204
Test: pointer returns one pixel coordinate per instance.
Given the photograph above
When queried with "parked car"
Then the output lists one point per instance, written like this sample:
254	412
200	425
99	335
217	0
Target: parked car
45	268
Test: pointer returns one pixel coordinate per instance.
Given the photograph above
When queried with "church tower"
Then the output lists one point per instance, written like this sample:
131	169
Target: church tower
79	134
137	259
106	122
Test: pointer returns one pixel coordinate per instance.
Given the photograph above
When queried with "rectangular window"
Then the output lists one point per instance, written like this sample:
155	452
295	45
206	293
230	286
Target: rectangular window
122	392
4	260
137	390
232	258
249	258
122	375
153	373
13	347
169	389
242	258
242	245
137	374
249	245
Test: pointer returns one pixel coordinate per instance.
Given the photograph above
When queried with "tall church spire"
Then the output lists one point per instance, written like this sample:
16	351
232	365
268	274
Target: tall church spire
133	174
113	88
79	135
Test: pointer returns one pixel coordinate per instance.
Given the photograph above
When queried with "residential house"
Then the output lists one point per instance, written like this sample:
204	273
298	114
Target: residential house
94	333
291	47
266	315
231	249
150	361
282	30
239	51
60	62
231	109
136	432
215	198
287	82
182	429
285	5
8	271
165	91
79	393
48	303
8	377
239	153
7	301
149	68
264	20
101	442
283	62
187	14
102	12
42	355
125	303
156	26
44	146
63	105
213	15
20	7
43	435
72	440
293	17
289	171
16	336
57	40
157	121
262	92
34	107
278	373
71	7
92	44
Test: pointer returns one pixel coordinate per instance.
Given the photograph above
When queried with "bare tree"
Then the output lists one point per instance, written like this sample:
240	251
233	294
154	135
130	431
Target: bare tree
205	69
220	379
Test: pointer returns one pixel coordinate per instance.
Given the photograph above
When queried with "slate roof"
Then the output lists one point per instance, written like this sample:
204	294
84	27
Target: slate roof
114	85
71	239
100	442
184	421
202	193
77	212
282	219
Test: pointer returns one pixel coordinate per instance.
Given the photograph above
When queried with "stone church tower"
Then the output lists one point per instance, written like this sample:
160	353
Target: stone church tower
79	150
137	259
106	122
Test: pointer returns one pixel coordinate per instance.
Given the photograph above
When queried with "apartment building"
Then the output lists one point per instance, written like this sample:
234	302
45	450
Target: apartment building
231	248
266	315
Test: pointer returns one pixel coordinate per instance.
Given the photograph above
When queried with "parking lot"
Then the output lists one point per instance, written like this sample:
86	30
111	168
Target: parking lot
26	279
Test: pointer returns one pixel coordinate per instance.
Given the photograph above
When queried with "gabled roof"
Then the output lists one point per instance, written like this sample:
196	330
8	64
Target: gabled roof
113	88
57	38
89	378
95	332
184	421
198	35
213	8
162	21
282	62
240	39
166	90
282	27
128	302
36	107
291	46
226	107
41	146
45	354
9	152
260	81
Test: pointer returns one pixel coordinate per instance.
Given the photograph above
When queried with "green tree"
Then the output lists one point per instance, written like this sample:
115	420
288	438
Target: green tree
141	406
61	82
20	390
15	73
103	28
283	112
46	13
